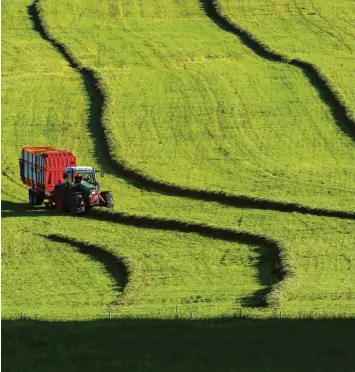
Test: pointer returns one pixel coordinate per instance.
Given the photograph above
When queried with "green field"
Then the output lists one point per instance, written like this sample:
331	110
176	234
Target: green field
191	106
183	92
329	27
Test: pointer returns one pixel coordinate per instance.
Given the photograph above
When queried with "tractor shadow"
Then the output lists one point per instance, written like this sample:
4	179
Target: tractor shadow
11	209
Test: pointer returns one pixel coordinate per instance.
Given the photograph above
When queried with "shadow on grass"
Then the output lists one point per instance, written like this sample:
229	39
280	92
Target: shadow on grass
179	345
269	273
11	209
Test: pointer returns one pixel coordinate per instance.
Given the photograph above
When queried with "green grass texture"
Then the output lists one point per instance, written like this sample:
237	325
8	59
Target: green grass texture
181	90
47	102
329	27
190	283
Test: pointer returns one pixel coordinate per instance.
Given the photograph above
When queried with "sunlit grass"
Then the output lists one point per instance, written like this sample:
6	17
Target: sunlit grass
45	102
317	31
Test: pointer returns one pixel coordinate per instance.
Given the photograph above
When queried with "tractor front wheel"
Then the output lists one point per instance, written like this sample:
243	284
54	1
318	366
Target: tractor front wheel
108	197
77	205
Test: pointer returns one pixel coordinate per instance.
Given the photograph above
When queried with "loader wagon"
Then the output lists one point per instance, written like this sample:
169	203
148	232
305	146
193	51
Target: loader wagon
41	168
53	174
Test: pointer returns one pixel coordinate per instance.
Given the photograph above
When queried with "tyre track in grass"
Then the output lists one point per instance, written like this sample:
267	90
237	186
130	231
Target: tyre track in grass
106	158
340	111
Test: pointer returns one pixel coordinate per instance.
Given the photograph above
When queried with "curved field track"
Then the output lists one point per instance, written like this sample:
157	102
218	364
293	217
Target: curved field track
165	263
158	225
49	278
326	92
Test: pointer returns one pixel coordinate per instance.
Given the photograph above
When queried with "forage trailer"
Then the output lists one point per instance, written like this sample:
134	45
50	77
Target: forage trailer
53	174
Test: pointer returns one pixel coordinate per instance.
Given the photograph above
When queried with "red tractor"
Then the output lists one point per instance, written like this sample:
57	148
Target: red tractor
52	174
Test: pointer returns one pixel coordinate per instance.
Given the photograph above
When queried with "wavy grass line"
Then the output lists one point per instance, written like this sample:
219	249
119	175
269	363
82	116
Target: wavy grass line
283	265
118	267
106	155
283	269
98	102
327	92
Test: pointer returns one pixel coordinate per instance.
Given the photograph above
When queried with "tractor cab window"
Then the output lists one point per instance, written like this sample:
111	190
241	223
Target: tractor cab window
88	178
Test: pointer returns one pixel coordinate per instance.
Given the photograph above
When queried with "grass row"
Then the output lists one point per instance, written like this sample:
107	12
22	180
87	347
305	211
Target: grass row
53	109
167	269
169	108
329	26
46	102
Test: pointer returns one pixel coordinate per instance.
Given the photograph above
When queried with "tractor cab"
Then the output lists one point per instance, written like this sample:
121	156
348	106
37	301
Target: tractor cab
88	175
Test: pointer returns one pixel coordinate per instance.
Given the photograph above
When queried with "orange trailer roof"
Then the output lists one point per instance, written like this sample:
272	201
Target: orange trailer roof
38	149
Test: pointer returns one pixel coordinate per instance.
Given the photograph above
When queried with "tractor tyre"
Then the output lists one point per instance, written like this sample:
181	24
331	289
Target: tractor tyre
77	205
108	197
35	198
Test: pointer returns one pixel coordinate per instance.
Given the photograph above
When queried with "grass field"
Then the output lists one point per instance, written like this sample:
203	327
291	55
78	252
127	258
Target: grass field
183	92
329	27
180	107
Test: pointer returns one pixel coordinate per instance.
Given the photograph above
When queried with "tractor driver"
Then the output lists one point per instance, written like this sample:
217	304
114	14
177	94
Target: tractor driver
67	180
85	188
78	179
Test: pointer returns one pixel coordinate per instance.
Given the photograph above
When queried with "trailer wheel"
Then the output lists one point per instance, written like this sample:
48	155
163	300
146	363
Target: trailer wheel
59	199
108	197
77	205
35	197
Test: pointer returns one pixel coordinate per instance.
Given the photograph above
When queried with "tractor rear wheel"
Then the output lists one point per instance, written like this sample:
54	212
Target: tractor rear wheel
77	205
108	197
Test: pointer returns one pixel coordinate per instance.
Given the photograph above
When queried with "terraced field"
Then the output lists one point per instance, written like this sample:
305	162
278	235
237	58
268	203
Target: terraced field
232	174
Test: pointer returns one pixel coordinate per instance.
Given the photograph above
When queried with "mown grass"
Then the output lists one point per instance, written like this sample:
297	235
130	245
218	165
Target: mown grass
42	277
45	274
169	268
329	27
166	269
182	91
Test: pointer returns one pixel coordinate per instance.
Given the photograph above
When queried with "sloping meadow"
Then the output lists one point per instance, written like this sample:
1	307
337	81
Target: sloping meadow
167	63
191	104
328	27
